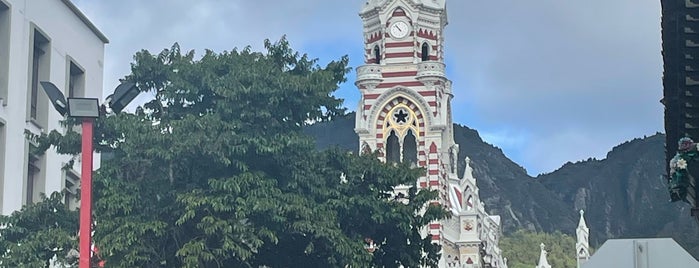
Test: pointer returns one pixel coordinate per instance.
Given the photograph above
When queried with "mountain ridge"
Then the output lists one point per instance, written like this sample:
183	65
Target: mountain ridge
624	195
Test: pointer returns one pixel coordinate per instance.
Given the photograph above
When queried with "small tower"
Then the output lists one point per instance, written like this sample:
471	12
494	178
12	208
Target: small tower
543	262
582	246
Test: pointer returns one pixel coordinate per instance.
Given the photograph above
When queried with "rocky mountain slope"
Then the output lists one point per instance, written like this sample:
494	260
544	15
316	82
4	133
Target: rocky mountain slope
624	195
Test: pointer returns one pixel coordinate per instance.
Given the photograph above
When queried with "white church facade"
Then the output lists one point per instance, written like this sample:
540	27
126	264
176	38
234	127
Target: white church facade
405	113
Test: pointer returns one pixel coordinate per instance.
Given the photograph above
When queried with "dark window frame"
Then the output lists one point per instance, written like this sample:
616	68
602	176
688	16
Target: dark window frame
393	148
425	53
75	80
39	70
33	172
377	55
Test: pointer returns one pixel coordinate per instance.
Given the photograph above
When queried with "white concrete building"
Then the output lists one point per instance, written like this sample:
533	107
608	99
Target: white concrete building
41	40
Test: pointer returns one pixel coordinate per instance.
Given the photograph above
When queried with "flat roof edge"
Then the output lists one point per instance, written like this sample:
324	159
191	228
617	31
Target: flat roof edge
85	20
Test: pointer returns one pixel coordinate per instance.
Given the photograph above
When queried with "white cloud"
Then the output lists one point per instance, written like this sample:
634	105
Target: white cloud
555	70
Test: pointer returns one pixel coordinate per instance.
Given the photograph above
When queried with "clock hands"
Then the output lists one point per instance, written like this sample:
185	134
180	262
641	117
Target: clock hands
400	29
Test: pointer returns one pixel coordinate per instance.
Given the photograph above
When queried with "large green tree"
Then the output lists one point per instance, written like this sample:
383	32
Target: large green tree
38	233
215	171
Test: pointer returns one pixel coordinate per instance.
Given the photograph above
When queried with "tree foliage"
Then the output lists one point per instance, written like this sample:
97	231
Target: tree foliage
522	249
33	236
215	171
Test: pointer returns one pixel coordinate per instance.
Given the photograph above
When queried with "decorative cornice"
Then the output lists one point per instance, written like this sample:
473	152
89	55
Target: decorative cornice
86	21
369	75
431	71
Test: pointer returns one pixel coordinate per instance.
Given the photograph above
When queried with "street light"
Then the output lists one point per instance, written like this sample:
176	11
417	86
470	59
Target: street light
87	109
123	95
56	96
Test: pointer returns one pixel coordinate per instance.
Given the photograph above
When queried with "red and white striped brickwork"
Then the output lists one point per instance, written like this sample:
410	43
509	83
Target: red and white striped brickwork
398	60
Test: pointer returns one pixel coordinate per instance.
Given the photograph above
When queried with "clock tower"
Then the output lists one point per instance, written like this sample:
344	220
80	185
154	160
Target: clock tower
405	114
405	109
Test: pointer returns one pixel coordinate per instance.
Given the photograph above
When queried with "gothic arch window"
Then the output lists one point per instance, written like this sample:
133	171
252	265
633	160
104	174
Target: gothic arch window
402	133
425	52
377	55
392	148
410	148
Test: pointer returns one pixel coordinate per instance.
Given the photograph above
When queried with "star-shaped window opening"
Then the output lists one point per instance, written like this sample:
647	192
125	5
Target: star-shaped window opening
401	117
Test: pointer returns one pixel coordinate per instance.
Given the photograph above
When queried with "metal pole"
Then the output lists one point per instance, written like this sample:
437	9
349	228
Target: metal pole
86	195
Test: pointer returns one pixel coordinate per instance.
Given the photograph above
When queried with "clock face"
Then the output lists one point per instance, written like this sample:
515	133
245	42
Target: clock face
400	29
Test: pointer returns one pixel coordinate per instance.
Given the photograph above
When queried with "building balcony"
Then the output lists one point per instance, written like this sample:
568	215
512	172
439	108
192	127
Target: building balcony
369	75
431	71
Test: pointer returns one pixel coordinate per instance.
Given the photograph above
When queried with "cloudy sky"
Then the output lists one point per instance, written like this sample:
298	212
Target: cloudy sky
548	81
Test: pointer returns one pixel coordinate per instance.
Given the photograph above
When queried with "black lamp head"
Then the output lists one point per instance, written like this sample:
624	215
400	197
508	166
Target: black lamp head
123	95
58	100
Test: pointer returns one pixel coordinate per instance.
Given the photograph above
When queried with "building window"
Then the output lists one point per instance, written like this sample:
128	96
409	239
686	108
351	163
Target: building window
76	80
35	179
425	52
410	148
39	72
70	191
33	172
402	129
377	55
4	51
35	82
392	148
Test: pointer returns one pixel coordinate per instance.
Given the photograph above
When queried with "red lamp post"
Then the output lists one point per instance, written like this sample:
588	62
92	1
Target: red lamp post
87	109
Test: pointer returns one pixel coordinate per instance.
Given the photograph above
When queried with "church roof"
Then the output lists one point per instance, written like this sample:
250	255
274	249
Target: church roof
372	4
654	252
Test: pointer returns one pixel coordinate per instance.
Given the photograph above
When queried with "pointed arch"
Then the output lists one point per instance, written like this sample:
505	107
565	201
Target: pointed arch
410	148
433	148
399	12
377	54
392	148
409	97
425	51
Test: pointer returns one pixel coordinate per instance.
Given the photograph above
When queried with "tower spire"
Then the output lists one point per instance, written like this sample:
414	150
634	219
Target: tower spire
543	262
582	247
